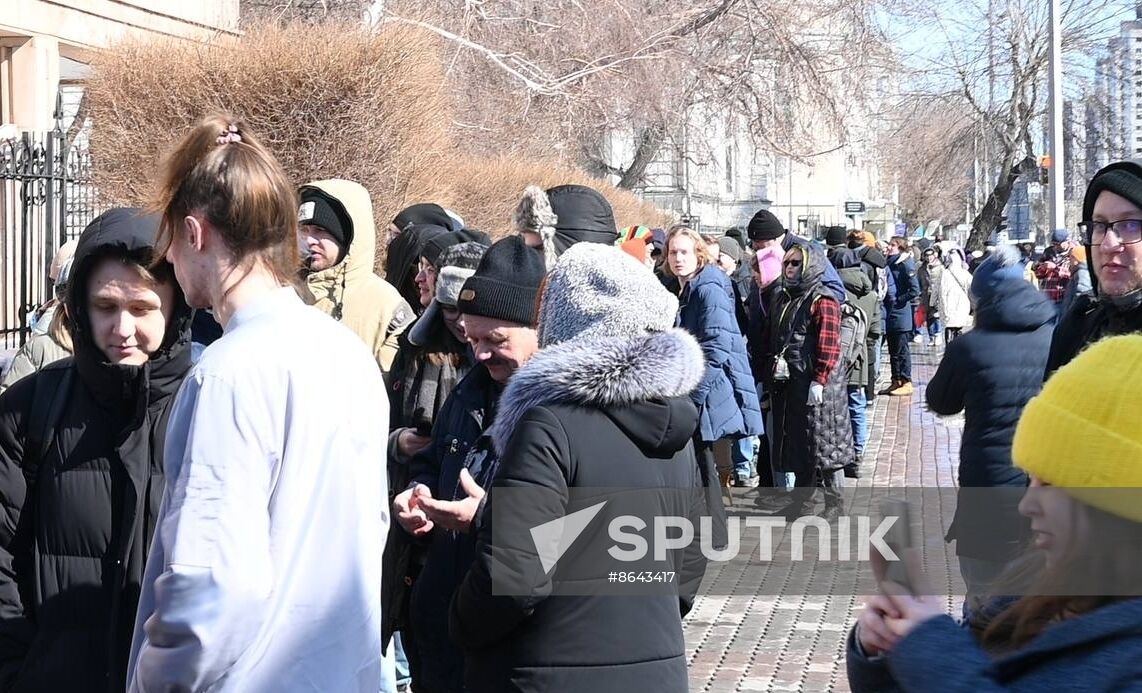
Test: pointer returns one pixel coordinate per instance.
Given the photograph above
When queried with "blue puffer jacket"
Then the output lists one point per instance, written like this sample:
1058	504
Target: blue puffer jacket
1098	651
990	373
898	312
726	397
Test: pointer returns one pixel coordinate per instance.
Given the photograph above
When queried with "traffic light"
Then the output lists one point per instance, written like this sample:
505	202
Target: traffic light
1045	169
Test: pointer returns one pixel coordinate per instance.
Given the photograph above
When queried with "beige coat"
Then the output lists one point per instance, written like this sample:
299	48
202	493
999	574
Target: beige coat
370	306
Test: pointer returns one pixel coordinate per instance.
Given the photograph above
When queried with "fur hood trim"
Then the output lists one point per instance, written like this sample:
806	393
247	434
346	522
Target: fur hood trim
601	372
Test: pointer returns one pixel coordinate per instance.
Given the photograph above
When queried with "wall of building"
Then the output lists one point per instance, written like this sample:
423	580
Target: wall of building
36	35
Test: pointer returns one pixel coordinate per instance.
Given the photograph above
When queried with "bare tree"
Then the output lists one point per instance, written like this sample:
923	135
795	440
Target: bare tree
1000	76
561	76
286	11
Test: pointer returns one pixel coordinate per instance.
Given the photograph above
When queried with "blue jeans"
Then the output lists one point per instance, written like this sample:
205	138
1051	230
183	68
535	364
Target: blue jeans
388	672
858	417
403	674
933	328
743	452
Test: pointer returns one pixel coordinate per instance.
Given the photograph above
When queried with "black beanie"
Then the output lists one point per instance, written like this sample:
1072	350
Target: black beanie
506	284
736	234
1122	178
836	235
319	208
765	227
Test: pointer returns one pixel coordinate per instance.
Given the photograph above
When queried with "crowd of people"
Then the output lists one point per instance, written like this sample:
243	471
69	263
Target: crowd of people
235	458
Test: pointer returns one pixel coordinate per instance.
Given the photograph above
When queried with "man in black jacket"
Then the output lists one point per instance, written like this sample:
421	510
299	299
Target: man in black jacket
604	404
81	466
448	477
1112	235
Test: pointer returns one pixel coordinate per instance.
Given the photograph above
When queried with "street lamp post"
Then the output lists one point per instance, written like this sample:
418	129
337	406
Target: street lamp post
1055	177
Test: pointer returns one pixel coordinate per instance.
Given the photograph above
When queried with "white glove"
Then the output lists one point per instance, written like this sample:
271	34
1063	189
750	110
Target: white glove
816	393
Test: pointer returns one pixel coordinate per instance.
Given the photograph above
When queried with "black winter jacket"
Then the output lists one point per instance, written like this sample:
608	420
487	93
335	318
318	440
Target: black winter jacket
990	373
458	442
422	377
577	417
72	553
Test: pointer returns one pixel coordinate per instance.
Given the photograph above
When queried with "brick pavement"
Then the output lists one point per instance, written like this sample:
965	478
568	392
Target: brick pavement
740	638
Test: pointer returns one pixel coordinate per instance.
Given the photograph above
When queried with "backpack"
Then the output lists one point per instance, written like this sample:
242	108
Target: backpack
854	334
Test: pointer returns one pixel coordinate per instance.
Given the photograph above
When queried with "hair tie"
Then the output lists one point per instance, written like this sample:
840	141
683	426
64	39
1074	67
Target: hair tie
230	134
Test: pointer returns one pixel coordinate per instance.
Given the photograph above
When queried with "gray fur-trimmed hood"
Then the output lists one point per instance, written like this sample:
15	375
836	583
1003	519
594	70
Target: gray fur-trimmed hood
601	373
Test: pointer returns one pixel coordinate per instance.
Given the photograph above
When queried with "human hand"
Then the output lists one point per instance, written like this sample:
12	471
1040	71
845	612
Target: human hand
456	515
409	510
872	632
912	609
409	442
816	394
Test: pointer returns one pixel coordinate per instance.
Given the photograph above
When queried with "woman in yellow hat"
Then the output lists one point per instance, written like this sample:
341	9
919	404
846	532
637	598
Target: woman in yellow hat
1078	624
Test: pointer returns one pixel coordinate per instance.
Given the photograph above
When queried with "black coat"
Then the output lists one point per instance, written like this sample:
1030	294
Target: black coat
458	441
78	545
1087	320
556	437
990	373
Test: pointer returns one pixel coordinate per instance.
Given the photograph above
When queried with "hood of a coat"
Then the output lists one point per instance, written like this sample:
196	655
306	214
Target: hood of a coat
642	383
813	261
1014	306
361	253
128	232
403	254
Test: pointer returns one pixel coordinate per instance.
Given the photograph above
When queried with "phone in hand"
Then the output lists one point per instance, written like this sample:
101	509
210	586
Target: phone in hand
900	539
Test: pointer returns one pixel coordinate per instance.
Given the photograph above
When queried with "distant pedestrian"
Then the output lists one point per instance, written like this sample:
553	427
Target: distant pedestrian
899	316
813	437
954	296
1079	285
727	396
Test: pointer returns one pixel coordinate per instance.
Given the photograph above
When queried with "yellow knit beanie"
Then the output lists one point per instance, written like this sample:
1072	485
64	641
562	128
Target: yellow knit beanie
1083	432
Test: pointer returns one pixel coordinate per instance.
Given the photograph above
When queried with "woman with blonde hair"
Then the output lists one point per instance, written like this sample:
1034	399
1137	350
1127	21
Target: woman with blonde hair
726	397
265	572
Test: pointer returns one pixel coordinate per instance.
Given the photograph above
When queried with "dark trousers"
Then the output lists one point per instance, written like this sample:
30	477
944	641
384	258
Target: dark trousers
809	486
712	487
873	366
900	355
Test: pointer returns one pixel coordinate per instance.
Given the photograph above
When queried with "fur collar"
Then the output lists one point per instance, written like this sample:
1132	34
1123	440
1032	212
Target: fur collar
601	372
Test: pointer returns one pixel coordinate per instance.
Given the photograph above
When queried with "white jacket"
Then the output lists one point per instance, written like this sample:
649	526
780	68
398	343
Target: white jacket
952	300
265	570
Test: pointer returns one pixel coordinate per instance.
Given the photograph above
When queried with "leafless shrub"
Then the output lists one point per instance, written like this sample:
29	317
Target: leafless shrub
329	100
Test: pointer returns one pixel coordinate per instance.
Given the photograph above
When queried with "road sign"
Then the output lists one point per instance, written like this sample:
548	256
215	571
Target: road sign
854	208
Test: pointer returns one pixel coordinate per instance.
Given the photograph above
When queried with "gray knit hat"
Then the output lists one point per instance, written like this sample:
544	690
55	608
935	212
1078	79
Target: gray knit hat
597	290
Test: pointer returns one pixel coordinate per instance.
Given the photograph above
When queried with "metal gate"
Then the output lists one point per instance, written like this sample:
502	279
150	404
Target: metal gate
46	198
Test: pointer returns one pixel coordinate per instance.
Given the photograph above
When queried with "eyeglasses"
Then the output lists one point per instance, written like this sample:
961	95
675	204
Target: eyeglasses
792	263
1129	231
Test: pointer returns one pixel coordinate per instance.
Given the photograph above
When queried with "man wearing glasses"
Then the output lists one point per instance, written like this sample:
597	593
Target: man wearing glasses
1111	232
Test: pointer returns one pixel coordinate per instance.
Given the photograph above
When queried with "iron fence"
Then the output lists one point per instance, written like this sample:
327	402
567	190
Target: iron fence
46	198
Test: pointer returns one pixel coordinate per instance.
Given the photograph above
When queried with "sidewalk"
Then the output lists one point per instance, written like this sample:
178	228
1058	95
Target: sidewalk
759	642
